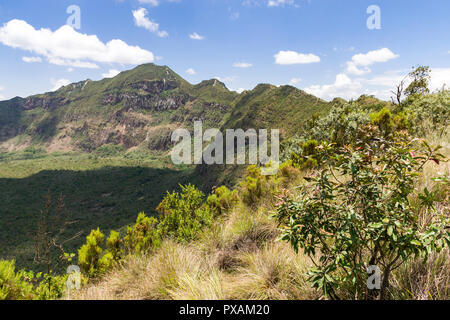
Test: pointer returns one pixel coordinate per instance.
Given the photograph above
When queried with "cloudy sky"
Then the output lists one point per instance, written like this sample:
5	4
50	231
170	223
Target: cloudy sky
326	47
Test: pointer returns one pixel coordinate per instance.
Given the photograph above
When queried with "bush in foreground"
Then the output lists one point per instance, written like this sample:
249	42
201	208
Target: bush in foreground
356	213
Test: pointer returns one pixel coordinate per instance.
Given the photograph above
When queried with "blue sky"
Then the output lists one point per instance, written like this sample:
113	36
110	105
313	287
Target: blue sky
321	46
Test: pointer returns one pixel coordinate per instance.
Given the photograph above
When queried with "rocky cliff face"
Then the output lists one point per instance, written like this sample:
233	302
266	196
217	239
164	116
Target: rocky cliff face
45	102
136	101
137	108
141	107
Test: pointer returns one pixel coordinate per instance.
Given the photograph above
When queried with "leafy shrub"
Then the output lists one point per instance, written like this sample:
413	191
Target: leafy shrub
383	119
308	157
184	214
401	121
109	150
23	285
340	126
13	286
90	257
143	236
114	244
222	200
50	287
287	174
364	217
254	186
428	113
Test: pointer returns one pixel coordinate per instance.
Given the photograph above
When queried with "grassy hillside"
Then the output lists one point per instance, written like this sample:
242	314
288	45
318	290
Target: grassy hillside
226	244
103	146
340	161
268	106
285	108
122	110
239	254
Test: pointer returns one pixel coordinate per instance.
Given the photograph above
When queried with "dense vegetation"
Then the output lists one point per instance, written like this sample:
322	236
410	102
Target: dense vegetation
103	147
365	184
97	190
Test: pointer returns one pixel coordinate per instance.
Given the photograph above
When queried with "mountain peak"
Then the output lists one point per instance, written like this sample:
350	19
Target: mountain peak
211	83
148	72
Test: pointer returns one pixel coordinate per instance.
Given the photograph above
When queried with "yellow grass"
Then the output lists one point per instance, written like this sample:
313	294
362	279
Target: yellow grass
239	257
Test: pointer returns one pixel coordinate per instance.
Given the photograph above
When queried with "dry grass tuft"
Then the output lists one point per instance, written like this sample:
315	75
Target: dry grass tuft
424	280
274	272
240	258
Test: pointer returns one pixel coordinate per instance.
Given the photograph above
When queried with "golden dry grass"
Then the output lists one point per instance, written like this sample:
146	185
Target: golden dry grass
239	257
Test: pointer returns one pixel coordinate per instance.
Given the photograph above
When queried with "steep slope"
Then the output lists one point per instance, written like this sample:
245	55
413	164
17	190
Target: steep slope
103	146
265	107
136	108
111	139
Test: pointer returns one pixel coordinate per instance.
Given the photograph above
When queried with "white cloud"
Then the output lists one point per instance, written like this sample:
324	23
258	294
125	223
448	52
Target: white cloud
360	63
234	15
388	79
270	3
152	3
385	83
1	96
343	87
67	47
278	3
295	81
348	88
440	77
242	65
72	63
57	84
196	36
380	85
69	69
372	57
111	73
32	59
190	71
292	57
141	20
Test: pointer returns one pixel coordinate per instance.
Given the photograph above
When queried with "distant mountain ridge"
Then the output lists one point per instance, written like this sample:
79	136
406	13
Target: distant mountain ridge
103	146
141	107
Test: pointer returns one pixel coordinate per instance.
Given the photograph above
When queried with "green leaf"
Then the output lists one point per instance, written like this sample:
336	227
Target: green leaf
390	230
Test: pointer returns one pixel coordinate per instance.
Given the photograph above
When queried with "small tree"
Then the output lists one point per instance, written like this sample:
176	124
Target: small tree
398	93
222	200
356	213
184	214
50	238
90	257
307	159
420	78
114	245
383	119
143	236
